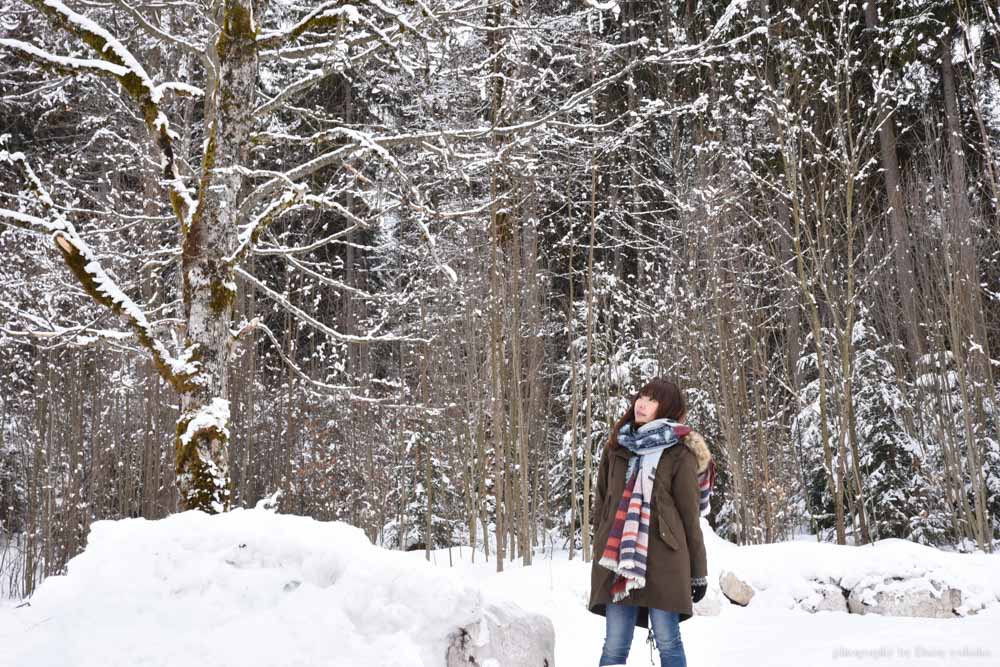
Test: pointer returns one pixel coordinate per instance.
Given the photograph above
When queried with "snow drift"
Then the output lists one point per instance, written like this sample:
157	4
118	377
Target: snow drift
251	588
246	588
793	574
780	627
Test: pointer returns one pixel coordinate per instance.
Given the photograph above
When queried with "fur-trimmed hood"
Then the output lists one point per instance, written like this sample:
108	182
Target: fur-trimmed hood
696	444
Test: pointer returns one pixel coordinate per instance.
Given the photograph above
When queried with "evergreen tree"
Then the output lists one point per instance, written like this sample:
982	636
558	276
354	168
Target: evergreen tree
896	492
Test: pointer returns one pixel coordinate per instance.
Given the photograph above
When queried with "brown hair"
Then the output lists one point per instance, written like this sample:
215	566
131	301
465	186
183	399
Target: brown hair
670	400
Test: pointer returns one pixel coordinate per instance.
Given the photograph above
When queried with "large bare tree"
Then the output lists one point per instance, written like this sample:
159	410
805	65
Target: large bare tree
223	208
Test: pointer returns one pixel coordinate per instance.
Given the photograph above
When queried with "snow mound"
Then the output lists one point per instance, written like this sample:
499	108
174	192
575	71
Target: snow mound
245	588
786	574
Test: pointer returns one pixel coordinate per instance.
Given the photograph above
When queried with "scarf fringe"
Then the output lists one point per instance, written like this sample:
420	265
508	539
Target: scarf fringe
609	563
630	585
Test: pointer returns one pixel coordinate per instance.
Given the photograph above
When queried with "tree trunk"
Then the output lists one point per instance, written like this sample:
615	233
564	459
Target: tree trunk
588	444
967	326
905	283
202	429
574	499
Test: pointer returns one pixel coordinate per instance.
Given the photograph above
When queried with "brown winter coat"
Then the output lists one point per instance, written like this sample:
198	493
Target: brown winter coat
676	548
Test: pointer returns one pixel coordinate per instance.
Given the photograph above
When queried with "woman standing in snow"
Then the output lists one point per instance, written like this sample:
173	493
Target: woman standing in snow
649	562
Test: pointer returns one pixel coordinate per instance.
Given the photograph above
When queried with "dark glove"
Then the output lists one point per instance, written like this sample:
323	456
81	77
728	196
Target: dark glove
698	591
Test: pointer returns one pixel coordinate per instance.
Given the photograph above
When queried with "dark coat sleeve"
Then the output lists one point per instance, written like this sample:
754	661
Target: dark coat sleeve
686	496
600	490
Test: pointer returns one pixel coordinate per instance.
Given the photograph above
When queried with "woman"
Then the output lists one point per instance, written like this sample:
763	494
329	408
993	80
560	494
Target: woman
649	557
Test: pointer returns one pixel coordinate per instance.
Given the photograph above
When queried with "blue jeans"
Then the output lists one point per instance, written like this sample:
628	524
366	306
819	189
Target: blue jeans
621	624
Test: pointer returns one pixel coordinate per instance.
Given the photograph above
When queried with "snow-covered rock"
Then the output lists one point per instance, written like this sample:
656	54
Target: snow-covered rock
505	635
736	590
803	574
246	588
711	604
920	597
825	596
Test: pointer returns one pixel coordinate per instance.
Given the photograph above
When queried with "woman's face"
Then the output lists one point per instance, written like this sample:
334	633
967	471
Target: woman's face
645	409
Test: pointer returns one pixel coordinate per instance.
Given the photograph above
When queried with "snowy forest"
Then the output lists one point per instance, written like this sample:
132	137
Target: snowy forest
403	263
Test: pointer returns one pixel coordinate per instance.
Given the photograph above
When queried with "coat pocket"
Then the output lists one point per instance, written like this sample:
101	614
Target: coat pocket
666	534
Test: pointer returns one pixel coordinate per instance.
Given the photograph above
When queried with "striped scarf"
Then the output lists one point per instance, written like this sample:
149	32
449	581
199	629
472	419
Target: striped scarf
628	542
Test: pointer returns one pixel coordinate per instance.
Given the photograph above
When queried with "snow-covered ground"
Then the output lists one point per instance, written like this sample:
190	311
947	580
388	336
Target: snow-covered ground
247	588
773	630
252	588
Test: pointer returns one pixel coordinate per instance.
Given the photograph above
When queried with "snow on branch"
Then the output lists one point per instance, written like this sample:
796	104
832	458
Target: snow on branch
331	14
252	230
133	78
337	15
723	24
299	373
283	302
353	143
80	335
309	247
36	184
180	88
64	62
82	262
339	390
298	87
610	6
357	144
97	38
361	143
338	285
198	52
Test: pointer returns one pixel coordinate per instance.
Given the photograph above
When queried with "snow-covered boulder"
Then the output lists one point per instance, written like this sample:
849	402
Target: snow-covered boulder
920	597
824	596
505	635
735	589
805	574
247	588
711	604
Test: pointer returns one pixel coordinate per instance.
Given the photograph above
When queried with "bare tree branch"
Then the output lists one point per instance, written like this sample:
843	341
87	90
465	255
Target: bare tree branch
137	83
